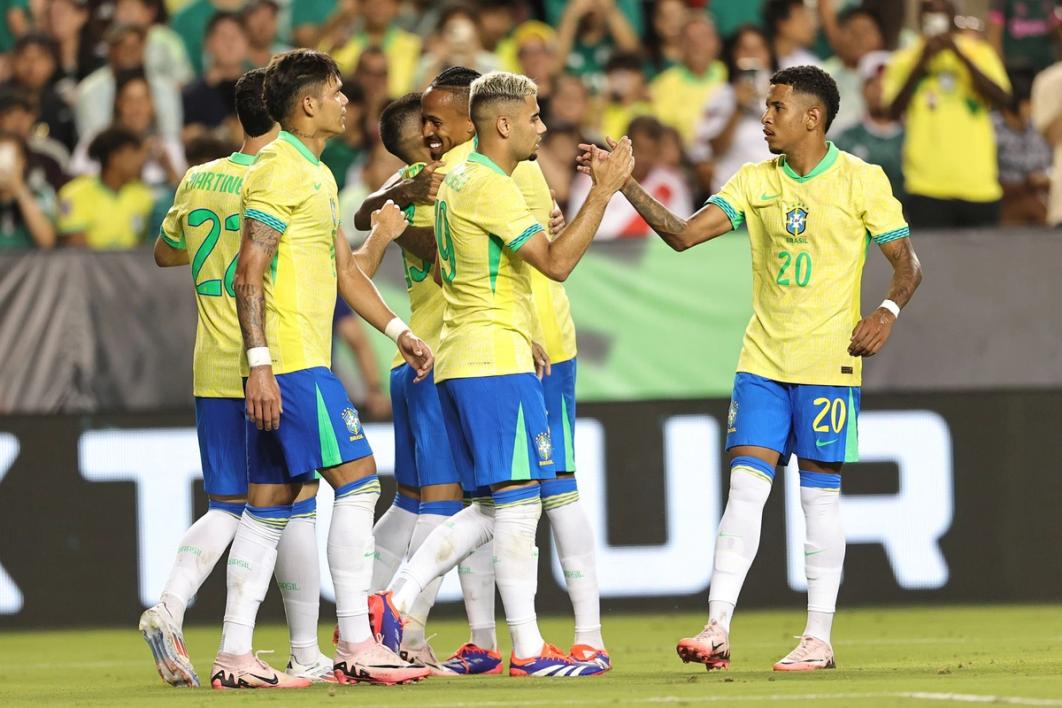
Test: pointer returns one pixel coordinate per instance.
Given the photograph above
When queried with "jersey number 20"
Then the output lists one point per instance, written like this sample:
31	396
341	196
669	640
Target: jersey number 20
232	223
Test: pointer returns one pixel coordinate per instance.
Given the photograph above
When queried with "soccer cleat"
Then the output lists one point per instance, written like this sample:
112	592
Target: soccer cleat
166	642
711	647
552	663
425	656
374	663
472	660
811	654
249	671
385	621
586	653
320	671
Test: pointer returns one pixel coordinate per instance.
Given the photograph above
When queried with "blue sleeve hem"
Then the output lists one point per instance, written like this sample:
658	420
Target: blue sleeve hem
893	235
520	240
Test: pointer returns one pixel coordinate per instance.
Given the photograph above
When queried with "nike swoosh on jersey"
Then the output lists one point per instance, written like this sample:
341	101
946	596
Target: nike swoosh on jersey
316	185
824	443
768	197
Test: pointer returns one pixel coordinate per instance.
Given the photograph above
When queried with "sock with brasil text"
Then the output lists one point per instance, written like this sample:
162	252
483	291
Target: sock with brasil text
251	561
298	575
516	515
393	533
197	553
350	555
575	546
820	497
739	535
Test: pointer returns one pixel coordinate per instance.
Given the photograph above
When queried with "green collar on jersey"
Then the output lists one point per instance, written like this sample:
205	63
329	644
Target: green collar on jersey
298	145
242	158
484	160
825	164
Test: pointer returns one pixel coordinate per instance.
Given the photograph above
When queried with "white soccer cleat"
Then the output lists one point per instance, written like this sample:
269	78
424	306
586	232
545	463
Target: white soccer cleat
321	671
810	655
166	642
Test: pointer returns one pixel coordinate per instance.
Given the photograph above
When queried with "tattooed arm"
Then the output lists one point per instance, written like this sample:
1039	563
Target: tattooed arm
873	331
256	252
709	222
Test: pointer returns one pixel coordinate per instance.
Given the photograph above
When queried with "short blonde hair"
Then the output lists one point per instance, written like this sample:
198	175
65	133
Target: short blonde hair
498	87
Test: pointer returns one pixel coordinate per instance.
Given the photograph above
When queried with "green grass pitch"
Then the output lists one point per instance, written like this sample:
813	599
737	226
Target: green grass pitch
1011	655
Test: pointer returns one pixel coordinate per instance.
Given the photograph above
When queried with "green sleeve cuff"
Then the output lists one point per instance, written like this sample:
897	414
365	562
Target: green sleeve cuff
893	235
736	217
520	240
267	219
172	242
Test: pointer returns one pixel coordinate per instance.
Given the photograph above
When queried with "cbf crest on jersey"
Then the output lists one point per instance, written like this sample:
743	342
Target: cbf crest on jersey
353	423
544	447
796	220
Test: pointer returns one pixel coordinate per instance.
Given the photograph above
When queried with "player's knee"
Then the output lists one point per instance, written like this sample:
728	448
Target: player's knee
826	481
559	492
262	495
308	491
441	493
349	472
408	492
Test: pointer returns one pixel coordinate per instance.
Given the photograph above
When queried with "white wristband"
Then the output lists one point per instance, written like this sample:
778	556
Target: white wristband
259	356
891	307
395	328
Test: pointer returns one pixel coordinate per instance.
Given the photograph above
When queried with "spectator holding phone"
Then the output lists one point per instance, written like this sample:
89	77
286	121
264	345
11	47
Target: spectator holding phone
25	216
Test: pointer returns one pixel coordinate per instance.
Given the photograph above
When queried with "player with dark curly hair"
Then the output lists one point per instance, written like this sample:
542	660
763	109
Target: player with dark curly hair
810	214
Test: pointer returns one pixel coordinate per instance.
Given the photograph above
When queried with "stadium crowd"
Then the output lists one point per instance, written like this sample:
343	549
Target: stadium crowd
105	103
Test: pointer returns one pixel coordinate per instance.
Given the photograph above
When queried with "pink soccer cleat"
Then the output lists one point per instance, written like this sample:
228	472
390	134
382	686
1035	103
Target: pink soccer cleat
370	662
248	671
810	655
711	647
424	655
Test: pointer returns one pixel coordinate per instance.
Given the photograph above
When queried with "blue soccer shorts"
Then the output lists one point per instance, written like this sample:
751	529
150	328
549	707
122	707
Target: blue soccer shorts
422	447
559	391
319	428
219	424
813	422
498	430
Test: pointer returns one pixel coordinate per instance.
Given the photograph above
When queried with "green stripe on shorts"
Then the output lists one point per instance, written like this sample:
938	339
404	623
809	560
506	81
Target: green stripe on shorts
521	468
851	441
569	451
330	456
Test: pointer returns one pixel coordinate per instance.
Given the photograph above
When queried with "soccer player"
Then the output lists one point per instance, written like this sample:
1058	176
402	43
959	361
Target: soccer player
810	215
204	221
292	258
450	135
488	240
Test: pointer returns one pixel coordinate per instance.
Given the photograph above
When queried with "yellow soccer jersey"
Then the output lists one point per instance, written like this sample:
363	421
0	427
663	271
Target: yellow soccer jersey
552	309
481	221
109	219
205	221
425	297
809	238
292	191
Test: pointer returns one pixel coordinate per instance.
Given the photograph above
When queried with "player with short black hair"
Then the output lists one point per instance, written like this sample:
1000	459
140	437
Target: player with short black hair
809	213
293	258
394	121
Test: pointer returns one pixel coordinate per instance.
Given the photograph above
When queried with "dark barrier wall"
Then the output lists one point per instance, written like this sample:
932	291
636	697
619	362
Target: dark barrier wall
956	500
84	332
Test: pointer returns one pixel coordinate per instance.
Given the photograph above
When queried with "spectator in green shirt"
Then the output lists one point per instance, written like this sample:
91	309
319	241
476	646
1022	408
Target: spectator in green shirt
1022	32
15	16
877	139
588	33
24	218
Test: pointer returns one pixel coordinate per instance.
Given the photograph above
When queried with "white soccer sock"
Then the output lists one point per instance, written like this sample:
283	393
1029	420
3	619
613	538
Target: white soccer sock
820	497
739	535
350	556
392	533
298	575
476	573
575	545
444	548
197	554
515	523
251	560
417	617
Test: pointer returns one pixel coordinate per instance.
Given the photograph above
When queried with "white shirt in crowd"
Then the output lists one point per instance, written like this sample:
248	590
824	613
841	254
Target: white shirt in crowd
621	220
